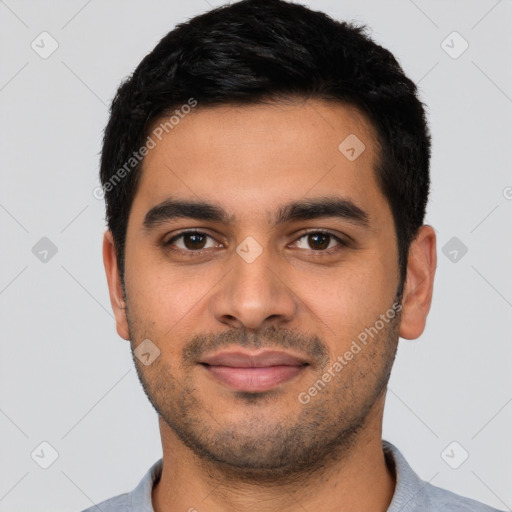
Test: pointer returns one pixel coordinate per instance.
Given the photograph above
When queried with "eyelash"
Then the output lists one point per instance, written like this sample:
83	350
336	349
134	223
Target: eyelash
193	253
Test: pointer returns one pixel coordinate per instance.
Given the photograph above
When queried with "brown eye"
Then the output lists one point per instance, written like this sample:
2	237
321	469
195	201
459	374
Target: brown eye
194	241
191	241
320	241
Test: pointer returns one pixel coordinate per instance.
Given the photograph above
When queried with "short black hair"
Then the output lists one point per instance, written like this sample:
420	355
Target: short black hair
258	51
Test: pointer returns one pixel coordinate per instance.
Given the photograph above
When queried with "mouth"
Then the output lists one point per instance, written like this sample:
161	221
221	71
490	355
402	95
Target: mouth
254	372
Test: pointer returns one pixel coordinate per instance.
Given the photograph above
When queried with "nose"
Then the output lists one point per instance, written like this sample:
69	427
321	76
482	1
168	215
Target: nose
254	294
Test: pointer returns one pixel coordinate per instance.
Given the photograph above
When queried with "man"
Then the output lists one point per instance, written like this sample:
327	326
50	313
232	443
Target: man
266	174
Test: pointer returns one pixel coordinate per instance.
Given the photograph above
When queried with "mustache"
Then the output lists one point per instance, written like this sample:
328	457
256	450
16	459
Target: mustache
311	346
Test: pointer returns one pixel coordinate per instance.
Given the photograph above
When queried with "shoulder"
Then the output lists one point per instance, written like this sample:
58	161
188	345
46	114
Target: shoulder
139	500
442	499
115	504
415	495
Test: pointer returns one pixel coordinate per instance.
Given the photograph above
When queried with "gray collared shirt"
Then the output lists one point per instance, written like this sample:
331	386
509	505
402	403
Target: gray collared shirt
411	493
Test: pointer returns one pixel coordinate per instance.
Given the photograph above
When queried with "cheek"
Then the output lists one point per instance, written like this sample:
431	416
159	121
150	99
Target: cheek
162	297
348	300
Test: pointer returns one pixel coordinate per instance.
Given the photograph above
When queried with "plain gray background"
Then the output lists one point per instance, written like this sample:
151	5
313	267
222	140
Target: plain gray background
67	379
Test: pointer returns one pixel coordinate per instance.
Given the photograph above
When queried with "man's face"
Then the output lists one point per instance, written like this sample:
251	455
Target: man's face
248	283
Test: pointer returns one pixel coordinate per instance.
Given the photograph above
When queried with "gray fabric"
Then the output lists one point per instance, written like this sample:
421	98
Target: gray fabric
411	493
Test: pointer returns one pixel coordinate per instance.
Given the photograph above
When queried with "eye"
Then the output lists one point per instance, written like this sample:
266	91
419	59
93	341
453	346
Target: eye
321	241
195	242
192	241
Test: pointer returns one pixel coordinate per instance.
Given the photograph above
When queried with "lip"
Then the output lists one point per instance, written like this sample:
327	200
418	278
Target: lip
254	372
242	359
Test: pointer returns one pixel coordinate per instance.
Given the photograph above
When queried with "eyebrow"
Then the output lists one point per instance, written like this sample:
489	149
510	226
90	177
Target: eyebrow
307	209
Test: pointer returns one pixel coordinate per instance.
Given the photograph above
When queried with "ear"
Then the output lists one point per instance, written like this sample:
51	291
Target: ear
114	285
419	283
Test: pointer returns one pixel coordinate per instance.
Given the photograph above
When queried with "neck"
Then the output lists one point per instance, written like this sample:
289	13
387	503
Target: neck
356	480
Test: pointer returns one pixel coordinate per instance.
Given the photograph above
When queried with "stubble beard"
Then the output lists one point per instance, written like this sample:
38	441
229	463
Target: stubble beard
274	450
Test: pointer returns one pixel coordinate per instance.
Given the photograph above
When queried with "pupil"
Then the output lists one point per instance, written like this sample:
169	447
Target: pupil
314	237
195	238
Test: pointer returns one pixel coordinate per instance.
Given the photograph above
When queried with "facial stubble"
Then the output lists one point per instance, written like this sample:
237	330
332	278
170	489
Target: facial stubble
262	446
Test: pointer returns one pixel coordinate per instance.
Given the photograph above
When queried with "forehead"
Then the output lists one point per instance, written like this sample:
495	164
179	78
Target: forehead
249	157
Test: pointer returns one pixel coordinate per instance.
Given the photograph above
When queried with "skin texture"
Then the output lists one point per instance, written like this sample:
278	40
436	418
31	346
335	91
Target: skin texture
225	450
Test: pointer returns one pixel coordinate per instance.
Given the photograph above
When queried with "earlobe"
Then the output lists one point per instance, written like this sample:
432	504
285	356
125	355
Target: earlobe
419	284
114	285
